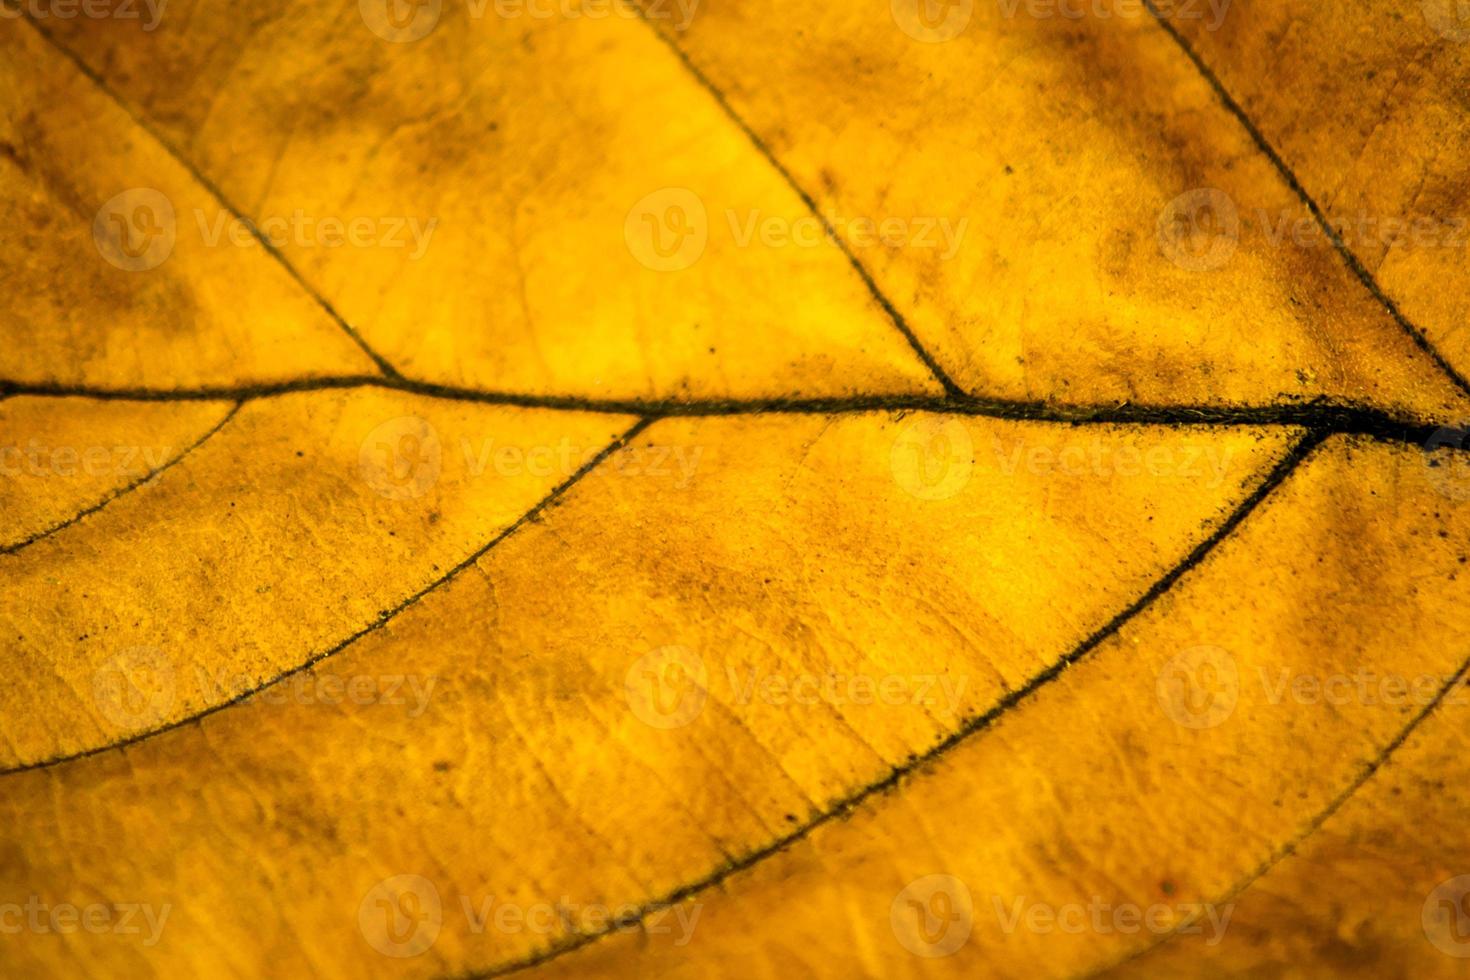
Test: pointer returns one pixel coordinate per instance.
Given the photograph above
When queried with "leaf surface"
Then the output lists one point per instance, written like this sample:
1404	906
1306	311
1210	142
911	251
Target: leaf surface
1365	104
92	201
559	636
1089	153
527	144
797	489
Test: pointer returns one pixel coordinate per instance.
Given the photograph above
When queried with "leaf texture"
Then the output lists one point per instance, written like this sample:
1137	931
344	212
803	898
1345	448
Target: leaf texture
791	489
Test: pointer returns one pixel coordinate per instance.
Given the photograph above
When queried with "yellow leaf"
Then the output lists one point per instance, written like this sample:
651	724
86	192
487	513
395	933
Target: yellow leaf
697	488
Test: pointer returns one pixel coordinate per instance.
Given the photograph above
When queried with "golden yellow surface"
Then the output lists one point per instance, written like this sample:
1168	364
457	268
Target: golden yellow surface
1089	793
534	655
1372	120
533	146
1064	140
732	488
284	535
72	316
62	458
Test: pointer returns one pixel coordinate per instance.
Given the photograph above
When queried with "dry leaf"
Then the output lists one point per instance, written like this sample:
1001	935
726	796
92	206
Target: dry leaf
770	489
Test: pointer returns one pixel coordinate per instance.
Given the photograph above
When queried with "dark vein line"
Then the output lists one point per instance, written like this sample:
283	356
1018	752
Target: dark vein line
1277	475
384	618
948	383
1369	281
246	392
146	125
1312	826
1333	418
11	549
